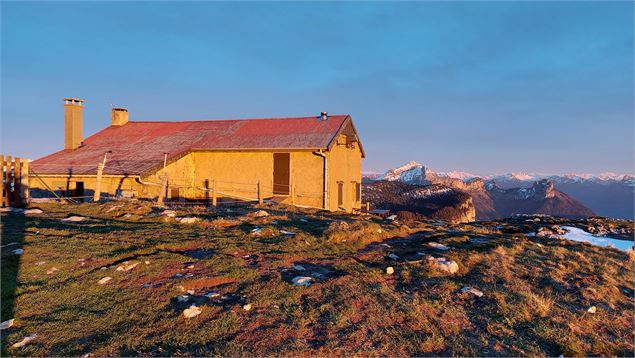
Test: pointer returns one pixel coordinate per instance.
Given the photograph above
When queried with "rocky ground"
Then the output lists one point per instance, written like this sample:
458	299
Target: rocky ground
125	278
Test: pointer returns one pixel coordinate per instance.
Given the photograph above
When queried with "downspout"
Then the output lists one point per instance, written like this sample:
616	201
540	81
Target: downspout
326	176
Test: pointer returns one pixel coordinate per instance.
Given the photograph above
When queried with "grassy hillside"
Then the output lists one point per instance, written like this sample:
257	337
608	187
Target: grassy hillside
239	268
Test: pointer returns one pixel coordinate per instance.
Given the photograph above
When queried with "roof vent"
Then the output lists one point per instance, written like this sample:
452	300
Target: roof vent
323	116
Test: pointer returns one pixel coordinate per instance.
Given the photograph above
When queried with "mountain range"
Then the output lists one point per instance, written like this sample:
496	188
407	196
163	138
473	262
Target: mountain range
495	196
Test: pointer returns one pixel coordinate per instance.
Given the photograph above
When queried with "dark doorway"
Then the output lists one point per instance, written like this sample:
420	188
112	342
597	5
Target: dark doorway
281	166
79	191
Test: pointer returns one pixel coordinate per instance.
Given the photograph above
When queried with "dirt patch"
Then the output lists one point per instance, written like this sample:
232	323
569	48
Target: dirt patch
208	282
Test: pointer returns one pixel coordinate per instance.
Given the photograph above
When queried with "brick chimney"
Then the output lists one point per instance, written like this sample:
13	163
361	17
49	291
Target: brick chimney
119	116
73	108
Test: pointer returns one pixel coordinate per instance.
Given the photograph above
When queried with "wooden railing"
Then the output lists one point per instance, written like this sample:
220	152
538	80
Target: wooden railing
15	181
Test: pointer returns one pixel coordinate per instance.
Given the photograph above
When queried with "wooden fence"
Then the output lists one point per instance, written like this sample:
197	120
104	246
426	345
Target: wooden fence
15	181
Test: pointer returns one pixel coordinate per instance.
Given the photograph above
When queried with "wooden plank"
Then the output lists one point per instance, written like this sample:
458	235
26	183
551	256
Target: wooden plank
2	202
25	184
15	195
7	181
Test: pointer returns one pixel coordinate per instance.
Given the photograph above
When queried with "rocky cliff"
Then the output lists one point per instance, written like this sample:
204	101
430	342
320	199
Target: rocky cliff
431	201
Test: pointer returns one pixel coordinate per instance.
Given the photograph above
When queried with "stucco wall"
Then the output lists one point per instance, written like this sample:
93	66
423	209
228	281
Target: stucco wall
236	175
345	165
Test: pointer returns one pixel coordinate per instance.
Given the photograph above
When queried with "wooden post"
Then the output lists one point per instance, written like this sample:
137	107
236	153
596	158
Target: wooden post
2	203
292	192
25	187
164	185
7	180
259	193
100	172
214	192
368	207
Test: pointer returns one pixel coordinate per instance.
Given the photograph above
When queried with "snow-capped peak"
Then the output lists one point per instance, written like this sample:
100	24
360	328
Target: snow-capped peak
410	172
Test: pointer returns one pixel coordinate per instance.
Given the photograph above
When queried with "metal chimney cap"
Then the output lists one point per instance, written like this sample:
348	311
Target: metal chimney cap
323	116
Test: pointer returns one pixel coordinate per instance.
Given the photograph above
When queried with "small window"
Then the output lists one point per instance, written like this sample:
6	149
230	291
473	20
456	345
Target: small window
174	193
340	193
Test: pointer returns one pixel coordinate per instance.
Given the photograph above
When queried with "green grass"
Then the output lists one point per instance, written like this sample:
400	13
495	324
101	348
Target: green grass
535	296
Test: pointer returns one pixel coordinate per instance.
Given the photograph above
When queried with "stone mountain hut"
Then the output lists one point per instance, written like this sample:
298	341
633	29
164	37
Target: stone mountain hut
304	161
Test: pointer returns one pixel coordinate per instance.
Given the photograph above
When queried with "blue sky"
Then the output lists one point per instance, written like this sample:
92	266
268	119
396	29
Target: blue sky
485	87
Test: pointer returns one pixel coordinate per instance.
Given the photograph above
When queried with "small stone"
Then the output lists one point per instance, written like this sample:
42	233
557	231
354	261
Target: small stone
190	292
247	307
212	295
104	280
188	220
74	218
592	309
284	232
393	256
7	324
25	341
147	262
127	267
193	311
18	252
32	211
446	265
183	298
472	290
52	270
301	281
169	213
390	270
260	214
438	246
298	267
392	217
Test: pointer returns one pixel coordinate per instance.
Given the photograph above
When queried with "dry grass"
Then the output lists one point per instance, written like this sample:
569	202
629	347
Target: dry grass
535	301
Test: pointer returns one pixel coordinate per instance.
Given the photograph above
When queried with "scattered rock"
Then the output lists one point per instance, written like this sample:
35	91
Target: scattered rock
392	217
193	311
444	264
183	298
188	220
473	291
147	262
212	295
247	307
256	231
301	281
390	270
104	280
74	218
284	232
32	211
438	246
169	213
7	324
127	267
52	270
298	267
18	251
114	208
393	256
592	309
25	341
260	214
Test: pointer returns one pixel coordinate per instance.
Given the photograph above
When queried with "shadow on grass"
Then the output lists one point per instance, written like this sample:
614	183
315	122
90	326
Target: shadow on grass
12	238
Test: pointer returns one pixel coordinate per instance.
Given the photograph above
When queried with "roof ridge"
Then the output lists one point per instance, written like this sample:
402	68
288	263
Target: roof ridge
234	120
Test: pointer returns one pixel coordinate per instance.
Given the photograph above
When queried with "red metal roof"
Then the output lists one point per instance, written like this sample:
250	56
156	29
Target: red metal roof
138	147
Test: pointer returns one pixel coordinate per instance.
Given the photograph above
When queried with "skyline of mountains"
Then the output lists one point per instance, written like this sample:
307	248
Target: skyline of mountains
606	194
